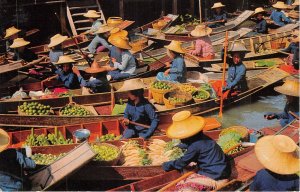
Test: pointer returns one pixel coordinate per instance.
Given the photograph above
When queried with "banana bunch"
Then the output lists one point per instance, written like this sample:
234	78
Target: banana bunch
133	154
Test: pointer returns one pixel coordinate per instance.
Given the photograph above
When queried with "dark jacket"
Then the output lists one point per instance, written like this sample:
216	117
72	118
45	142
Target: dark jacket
27	55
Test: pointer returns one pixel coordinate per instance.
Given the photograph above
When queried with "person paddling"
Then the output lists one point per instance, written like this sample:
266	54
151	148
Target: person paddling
219	16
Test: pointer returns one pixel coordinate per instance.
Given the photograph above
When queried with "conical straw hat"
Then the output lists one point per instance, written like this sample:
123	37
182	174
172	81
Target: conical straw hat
11	31
217	5
19	42
280	5
95	68
237	47
120	42
117	32
132	84
4	140
278	153
175	46
258	10
56	40
296	3
64	59
201	31
92	14
103	29
290	87
185	125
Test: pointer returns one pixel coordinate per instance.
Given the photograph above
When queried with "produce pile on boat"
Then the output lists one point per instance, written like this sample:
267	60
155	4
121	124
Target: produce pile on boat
201	94
74	110
161	85
176	100
229	139
46	159
105	152
187	88
108	137
34	108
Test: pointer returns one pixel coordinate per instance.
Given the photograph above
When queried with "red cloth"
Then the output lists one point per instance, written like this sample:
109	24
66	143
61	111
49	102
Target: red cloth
58	91
217	86
290	69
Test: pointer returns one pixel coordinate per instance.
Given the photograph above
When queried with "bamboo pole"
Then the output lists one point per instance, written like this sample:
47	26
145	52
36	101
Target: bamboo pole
200	11
223	73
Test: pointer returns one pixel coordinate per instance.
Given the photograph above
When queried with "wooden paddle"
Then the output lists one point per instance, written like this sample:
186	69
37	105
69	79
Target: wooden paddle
223	73
184	176
293	114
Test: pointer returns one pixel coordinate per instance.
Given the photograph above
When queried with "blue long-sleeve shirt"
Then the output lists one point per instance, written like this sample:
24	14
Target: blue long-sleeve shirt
143	113
285	117
279	18
292	48
266	180
97	85
70	80
218	17
207	154
113	52
55	54
127	64
261	26
178	70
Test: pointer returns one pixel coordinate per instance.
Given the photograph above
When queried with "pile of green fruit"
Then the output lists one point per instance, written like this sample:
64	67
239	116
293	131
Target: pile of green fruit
229	140
46	159
74	110
108	137
55	138
34	108
176	100
205	87
187	88
237	149
105	152
66	94
201	94
161	85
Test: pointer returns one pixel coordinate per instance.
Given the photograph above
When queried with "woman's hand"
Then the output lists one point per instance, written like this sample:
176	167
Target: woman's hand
166	73
76	71
125	122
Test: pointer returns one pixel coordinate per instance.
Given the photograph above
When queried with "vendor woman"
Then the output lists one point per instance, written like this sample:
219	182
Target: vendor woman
214	169
261	26
177	71
291	90
93	17
203	48
55	46
219	17
278	16
21	51
138	110
10	35
279	155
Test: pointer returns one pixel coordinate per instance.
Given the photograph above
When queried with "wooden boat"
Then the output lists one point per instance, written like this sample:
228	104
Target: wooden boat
103	104
169	19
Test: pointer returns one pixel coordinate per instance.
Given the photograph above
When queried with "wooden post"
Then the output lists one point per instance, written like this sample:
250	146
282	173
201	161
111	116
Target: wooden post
163	8
192	7
62	17
200	11
175	7
121	8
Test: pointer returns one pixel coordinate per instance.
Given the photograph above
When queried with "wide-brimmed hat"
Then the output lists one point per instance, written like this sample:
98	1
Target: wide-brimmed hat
4	140
56	40
201	31
279	5
290	87
296	3
175	46
217	5
92	14
132	84
278	153
11	31
238	47
95	68
103	29
185	125
19	42
117	32
64	59
258	10
120	42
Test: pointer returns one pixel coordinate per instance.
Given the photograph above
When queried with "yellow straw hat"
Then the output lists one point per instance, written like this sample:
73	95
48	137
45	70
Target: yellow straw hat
95	68
290	87
64	59
280	5
259	10
132	84
185	125
217	5
92	14
201	31
4	140
11	31
175	46
103	29
117	32
19	42
296	3
120	42
238	47
278	153
56	40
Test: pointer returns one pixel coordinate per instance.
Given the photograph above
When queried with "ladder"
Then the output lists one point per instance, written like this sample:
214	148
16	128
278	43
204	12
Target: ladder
75	11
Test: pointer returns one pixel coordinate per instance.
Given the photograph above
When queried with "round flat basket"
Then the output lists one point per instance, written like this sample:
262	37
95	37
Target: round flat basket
74	104
239	129
158	94
204	95
186	97
112	162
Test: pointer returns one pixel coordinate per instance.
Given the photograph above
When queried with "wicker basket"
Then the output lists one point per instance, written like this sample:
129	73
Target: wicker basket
20	112
240	129
178	94
200	100
138	44
158	94
73	103
112	162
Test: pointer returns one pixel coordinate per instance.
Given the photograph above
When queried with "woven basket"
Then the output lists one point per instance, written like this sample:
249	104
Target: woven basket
200	100
178	94
112	162
240	129
73	103
20	112
138	44
158	94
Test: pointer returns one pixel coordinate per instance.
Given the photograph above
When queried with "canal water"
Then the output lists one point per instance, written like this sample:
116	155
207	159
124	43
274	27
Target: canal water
251	113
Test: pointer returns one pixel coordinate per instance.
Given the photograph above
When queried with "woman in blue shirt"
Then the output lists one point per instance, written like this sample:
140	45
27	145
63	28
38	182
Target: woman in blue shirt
219	15
138	110
214	169
93	16
261	26
278	16
177	71
56	49
278	154
101	35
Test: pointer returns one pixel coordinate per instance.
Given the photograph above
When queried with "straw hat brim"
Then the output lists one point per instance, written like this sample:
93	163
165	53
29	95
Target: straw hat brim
177	50
92	15
274	160
103	30
132	84
57	41
219	6
262	12
284	91
202	33
186	128
122	46
4	140
11	34
93	71
279	6
13	46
